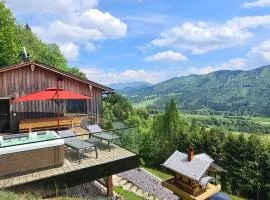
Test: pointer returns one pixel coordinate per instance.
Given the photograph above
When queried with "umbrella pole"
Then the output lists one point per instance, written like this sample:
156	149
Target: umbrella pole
58	106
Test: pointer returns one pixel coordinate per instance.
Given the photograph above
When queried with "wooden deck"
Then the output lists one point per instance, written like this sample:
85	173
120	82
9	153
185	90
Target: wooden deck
71	164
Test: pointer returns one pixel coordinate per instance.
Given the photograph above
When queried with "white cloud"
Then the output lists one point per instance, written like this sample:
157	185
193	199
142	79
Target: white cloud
164	56
258	3
195	70
108	25
261	52
89	26
202	37
71	21
90	47
233	64
151	18
92	25
257	56
70	50
129	75
54	8
59	31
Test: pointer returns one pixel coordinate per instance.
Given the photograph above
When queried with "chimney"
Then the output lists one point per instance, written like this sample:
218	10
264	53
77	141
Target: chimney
190	153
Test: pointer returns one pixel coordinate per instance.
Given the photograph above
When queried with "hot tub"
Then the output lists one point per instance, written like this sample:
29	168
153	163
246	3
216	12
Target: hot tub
22	153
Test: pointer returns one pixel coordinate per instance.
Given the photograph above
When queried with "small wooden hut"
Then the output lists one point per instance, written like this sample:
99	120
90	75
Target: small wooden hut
192	175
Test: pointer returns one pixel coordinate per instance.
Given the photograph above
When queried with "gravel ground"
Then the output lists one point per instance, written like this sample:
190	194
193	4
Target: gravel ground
87	191
148	183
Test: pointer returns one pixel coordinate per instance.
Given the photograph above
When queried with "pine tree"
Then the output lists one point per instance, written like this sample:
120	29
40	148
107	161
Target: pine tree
212	143
264	170
234	161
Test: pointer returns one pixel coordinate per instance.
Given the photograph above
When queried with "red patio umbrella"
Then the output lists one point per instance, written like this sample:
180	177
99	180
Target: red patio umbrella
53	93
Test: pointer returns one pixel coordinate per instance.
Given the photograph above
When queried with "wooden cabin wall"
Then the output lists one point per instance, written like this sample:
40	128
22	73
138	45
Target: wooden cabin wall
24	80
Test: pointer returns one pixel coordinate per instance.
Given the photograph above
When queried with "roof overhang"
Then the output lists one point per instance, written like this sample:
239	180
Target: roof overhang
217	168
58	71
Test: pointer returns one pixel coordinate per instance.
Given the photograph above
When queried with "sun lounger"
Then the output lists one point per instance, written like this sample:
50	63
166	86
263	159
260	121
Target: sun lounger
73	142
99	133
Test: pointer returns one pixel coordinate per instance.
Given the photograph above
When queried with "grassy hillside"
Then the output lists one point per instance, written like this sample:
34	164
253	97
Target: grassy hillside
145	103
232	92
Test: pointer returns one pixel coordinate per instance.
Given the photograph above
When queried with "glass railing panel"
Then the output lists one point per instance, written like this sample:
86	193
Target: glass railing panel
128	138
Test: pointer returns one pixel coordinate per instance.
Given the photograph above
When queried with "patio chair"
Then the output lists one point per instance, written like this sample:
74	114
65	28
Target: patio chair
79	145
99	133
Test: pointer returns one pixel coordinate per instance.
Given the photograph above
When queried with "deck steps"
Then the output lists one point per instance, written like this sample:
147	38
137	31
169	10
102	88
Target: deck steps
140	192
145	194
134	189
122	182
128	186
116	178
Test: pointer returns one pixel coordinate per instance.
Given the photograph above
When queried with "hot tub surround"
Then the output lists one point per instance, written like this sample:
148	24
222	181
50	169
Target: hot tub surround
30	152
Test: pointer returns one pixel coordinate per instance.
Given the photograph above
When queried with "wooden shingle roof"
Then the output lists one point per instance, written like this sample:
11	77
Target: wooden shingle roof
194	169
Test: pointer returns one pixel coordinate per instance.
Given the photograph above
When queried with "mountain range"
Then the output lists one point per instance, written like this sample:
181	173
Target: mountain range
235	92
129	86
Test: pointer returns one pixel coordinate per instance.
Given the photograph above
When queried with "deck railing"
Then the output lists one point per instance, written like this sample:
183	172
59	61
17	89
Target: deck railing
127	136
87	119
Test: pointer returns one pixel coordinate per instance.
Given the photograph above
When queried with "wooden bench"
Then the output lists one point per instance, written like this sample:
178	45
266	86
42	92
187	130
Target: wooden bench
41	124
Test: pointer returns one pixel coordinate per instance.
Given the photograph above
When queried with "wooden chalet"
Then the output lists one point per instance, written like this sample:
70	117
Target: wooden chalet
29	159
192	175
27	77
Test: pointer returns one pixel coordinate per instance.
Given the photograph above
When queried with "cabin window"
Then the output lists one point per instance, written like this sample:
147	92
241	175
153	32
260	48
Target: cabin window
76	106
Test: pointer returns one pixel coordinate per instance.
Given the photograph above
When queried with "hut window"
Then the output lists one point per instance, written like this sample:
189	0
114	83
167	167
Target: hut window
76	106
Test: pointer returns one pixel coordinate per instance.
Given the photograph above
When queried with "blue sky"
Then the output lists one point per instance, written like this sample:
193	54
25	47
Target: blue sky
152	40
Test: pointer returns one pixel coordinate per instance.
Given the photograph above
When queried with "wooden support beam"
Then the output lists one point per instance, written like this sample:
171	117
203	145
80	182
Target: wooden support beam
109	184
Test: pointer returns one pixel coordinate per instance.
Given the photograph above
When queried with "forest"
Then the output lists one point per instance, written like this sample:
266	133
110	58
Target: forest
246	158
14	36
